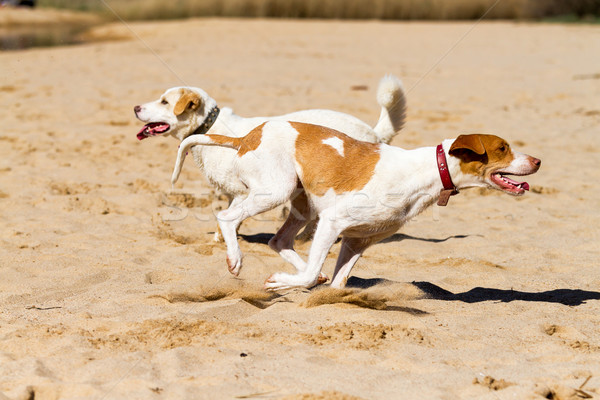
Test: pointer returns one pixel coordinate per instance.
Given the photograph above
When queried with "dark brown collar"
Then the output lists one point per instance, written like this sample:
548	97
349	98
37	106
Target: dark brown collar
210	119
449	188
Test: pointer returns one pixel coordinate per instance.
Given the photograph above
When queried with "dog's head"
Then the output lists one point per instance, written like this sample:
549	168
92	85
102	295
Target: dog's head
177	112
488	160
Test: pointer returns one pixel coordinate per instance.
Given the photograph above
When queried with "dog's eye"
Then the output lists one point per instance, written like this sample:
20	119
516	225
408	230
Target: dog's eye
503	148
163	101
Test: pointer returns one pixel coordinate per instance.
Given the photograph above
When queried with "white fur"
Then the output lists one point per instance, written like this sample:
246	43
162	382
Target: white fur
336	143
404	183
391	98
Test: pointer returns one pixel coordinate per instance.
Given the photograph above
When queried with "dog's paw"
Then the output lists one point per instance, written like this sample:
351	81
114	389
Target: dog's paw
234	265
282	281
274	283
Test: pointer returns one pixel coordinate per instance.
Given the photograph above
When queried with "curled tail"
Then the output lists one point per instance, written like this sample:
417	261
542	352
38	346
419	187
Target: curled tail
391	98
204	140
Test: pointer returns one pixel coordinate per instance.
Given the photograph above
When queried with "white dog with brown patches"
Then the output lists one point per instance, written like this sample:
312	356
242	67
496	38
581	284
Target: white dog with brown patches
362	191
184	111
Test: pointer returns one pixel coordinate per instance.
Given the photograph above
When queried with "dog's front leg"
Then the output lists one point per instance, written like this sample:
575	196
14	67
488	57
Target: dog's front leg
233	202
229	220
325	236
283	243
218	236
255	203
351	250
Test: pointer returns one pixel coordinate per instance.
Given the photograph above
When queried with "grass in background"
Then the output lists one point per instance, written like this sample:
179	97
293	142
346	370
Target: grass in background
339	9
573	19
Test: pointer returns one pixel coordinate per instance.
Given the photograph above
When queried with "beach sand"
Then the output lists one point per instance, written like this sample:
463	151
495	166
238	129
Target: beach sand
112	288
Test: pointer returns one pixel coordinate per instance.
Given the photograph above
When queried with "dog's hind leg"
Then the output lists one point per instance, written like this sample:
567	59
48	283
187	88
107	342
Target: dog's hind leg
308	232
283	241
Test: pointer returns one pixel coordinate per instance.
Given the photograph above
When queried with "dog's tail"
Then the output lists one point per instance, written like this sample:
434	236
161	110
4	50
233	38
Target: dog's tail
204	140
391	98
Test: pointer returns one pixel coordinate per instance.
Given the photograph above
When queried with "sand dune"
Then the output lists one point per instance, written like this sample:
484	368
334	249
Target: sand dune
112	288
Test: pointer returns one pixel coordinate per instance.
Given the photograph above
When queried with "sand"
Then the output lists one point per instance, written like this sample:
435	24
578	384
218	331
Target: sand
110	285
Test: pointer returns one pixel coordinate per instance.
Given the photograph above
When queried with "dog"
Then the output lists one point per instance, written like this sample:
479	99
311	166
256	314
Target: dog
363	192
184	111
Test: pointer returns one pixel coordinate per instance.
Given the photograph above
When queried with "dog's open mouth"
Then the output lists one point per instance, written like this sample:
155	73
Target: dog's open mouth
153	129
508	185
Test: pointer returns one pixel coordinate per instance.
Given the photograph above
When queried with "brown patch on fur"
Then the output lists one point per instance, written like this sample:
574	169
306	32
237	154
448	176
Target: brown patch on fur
481	154
469	142
323	168
187	99
251	141
243	145
229	141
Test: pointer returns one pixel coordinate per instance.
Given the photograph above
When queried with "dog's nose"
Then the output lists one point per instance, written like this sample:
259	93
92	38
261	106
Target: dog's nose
537	162
137	109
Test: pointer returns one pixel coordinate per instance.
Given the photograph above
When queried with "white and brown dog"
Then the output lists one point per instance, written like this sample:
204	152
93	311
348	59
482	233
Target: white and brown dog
362	191
185	111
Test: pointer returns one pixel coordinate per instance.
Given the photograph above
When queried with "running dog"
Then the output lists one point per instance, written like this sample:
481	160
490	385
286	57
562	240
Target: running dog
363	192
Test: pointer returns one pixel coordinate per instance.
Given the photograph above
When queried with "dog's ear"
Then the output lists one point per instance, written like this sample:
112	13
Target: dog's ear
470	143
188	100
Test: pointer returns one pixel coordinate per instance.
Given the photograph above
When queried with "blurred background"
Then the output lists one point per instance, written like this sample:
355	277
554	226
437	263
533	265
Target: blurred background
35	23
353	9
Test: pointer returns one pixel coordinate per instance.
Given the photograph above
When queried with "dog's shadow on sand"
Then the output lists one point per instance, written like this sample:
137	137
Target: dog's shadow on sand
567	297
398	237
263	238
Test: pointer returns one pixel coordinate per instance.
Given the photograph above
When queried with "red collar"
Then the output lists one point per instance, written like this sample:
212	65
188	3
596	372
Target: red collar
449	188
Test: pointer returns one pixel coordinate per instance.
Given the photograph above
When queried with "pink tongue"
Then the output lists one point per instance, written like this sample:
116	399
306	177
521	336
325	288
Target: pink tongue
524	185
141	135
152	129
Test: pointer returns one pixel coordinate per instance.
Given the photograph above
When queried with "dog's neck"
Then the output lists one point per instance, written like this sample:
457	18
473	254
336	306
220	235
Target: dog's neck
457	179
209	121
428	187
